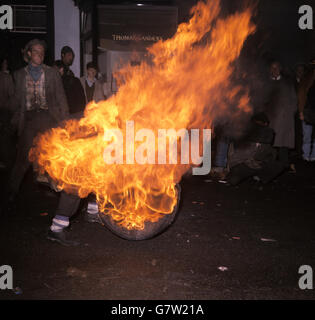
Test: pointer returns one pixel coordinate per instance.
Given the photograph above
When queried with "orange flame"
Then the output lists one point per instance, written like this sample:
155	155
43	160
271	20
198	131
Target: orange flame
187	86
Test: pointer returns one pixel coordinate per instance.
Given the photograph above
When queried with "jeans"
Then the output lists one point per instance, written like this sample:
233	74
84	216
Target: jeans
222	153
308	141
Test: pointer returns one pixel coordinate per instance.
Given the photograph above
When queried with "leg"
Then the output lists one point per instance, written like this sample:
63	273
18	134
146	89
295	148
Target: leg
307	140
21	163
221	153
312	157
221	158
67	207
283	156
270	171
298	137
92	212
240	173
35	123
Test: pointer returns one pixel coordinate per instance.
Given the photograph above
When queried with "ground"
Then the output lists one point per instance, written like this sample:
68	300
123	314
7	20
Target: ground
244	242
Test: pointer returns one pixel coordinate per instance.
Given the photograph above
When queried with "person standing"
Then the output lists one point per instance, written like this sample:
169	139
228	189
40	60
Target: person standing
73	90
93	88
40	104
71	84
67	58
306	97
281	108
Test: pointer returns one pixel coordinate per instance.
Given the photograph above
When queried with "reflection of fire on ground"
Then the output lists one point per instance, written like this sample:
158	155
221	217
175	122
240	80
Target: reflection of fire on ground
188	85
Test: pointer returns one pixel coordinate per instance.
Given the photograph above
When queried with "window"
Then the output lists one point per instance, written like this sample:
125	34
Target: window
29	18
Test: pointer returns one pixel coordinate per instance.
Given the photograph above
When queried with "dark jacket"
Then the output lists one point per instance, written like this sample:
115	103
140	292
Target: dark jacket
55	96
74	93
281	106
6	91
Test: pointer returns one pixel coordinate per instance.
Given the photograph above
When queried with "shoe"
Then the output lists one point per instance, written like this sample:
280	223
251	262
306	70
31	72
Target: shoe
61	238
93	218
292	168
219	173
306	159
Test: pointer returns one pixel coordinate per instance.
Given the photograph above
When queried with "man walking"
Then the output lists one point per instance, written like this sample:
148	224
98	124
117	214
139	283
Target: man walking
40	103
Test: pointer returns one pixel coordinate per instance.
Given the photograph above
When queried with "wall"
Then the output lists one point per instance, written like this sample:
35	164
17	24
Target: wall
67	30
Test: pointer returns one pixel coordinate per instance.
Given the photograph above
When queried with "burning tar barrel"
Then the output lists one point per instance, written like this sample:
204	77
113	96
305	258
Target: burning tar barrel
150	230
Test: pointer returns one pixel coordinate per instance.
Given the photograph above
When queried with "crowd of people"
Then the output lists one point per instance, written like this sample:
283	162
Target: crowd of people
279	134
38	97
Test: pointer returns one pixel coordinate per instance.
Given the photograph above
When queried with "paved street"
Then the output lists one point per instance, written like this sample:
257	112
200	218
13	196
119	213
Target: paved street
244	242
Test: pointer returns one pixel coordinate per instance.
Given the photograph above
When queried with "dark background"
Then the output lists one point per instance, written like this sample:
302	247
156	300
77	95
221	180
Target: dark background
278	35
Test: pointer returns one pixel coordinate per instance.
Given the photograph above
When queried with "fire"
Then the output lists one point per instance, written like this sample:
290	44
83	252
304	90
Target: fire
187	86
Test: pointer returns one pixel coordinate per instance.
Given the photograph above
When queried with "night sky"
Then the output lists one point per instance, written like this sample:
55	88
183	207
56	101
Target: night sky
278	34
278	20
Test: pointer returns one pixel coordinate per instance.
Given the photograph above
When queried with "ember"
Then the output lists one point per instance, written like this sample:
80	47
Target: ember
187	86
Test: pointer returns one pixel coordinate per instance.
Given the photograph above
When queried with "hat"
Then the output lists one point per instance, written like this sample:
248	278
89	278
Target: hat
66	49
